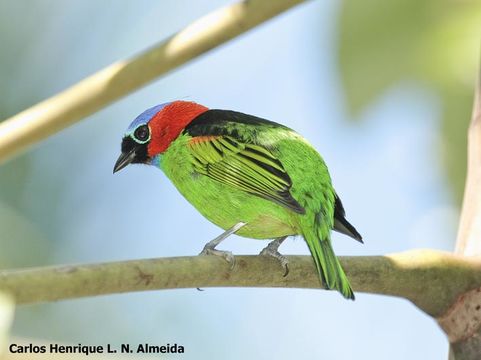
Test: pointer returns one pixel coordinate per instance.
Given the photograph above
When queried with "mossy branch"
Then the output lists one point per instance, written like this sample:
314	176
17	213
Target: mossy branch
117	80
430	279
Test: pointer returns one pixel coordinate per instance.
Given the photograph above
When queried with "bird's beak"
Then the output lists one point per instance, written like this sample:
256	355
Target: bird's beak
124	159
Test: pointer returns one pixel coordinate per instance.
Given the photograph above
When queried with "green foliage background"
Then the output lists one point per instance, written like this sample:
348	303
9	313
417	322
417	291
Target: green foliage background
434	43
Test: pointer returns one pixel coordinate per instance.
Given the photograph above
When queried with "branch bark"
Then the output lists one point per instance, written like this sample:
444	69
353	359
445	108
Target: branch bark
25	129
462	321
403	275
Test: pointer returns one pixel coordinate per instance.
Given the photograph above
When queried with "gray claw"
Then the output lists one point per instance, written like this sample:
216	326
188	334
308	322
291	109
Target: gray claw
279	257
226	255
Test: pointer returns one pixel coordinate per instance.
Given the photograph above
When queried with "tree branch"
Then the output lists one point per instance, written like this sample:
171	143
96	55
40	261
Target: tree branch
404	274
462	321
95	92
469	232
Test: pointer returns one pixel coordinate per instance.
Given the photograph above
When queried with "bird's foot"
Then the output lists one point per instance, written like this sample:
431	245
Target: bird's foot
209	248
273	250
227	255
277	255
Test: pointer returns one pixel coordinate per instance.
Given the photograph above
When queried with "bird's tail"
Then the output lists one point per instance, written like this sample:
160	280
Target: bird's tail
330	271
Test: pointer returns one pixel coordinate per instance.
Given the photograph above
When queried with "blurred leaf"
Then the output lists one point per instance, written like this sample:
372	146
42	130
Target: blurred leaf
433	42
30	191
13	176
24	243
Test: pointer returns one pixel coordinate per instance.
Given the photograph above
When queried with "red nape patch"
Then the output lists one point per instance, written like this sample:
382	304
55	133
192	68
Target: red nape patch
168	123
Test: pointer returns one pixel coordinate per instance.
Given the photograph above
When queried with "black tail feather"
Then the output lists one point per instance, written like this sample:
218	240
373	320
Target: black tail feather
341	224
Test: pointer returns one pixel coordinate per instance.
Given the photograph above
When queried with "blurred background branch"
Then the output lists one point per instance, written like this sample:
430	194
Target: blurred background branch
404	275
7	311
97	91
462	322
469	233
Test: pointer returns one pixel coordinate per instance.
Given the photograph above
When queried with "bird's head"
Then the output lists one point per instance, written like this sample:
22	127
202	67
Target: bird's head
152	132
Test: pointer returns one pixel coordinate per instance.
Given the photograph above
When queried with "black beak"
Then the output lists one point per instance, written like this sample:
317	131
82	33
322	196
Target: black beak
125	159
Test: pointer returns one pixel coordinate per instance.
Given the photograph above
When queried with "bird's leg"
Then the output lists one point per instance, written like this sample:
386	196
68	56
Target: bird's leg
209	248
273	250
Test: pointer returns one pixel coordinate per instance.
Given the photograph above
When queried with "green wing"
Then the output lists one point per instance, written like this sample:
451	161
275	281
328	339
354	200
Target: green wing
247	167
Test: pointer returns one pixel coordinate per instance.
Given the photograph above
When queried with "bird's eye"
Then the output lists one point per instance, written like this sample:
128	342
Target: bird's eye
142	133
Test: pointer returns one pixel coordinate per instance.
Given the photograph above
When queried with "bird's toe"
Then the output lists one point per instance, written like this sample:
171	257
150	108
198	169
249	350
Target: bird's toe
226	255
269	251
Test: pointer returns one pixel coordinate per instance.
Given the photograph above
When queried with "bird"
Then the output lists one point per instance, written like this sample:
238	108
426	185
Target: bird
249	176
